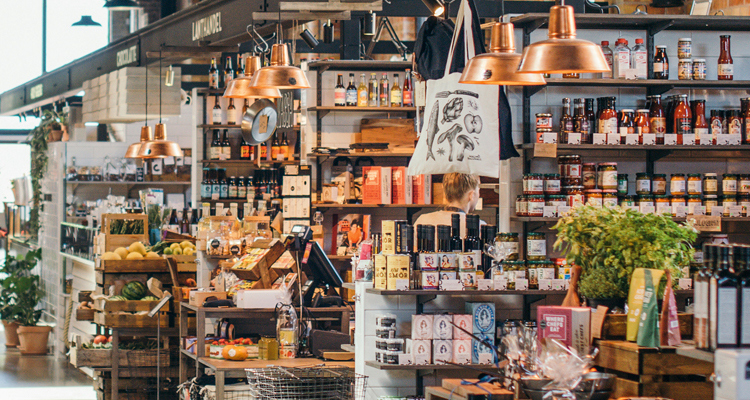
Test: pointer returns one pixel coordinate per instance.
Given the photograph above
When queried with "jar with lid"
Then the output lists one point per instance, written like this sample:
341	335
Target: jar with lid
536	246
710	183
521	271
574	195
607	176
535	205
677	201
594	198
556	200
695	184
659	184
589	175
622	184
684	48
509	240
661	63
563	268
743	200
728	201
642	124
609	198
642	183
627	201
710	202
662	202
693	201
543	121
540	134
546	270
522	206
508	272
533	183
685	69
552	184
729	184
574	166
743	187
562	165
533	268
626	124
677	184
699	69
645	200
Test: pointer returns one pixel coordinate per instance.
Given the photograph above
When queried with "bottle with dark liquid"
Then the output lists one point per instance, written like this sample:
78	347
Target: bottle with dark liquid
742	265
339	92
215	150
285	148
591	118
194	222
205	185
215	184
407	247
223	184
226	147
228	72
213	75
661	63
185	222
241	188
244	149
408	91
488	238
567	123
580	122
275	145
174	222
723	311
658	119
351	92
726	64
457	244
240	71
232	188
216	112
231	113
471	241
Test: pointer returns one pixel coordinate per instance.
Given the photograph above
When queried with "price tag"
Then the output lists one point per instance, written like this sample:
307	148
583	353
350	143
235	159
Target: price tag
717	211
550	211
649	138
680	211
263	124
663	208
522	284
574	138
685	284
451	284
670	139
699	210
647	209
562	210
485	284
402	284
613	138
545	284
735	211
734	139
631	139
600	138
707	139
558	284
688	140
706	223
545	150
500	283
549	137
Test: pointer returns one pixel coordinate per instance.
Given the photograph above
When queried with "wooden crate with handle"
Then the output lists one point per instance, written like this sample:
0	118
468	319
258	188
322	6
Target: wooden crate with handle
110	239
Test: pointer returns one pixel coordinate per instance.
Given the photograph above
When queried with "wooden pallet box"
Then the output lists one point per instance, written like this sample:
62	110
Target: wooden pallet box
151	265
260	270
84	314
615	326
654	372
107	241
102	358
127	320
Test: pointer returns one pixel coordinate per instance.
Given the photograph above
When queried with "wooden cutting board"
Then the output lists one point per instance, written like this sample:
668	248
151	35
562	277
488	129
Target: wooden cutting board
497	392
395	132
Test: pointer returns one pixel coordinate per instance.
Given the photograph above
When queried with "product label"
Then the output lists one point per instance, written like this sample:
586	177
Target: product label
735	126
407	97
609	202
396	97
677	186
745	320
609	179
594	201
214	153
362	98
351	97
216	116
729	186
535	185
726	70
694	187
610	126
536	247
712	186
610	61
622	62
574	170
213	80
226	153
700	131
660	186
206	191
643	185
622	187
659	125
716	128
640	64
682	126
727	314
658	67
231	120
535	207
552	186
339	97
589	179
624	130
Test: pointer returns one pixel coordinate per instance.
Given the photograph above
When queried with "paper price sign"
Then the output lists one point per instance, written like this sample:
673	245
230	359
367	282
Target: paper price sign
707	223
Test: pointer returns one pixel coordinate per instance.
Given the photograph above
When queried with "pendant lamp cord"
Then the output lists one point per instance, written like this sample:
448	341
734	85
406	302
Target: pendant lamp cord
145	123
160	58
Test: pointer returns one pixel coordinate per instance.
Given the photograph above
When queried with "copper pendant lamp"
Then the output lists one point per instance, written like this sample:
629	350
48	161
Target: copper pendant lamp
146	135
562	52
240	88
160	146
280	75
500	65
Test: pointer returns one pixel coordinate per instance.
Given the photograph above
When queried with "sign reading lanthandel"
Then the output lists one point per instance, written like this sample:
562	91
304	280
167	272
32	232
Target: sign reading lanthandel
207	26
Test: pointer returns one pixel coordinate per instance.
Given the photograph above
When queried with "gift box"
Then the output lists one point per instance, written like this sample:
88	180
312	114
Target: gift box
569	325
441	327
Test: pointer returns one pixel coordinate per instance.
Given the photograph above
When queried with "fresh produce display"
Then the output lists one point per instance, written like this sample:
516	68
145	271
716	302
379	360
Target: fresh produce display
134	290
150	298
105	342
139	251
186	248
126	227
117	298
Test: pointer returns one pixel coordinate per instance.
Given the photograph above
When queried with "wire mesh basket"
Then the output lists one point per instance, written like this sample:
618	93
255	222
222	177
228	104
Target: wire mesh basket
332	383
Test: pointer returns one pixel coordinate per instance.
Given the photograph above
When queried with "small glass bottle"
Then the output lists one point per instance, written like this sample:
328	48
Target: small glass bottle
658	119
725	69
700	125
639	59
661	63
609	56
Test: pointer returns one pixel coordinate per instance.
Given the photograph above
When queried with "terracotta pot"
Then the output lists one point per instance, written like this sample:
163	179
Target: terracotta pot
11	335
33	339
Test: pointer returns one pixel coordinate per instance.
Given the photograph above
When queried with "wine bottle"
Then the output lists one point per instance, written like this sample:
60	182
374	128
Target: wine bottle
174	222
244	149
407	247
215	150
228	72
232	188
231	113
241	188
471	241
216	112
283	148
226	147
351	92
700	313
395	92
457	245
724	301
215	185
223	184
213	75
743	271
339	92
185	222
275	145
194	222
205	185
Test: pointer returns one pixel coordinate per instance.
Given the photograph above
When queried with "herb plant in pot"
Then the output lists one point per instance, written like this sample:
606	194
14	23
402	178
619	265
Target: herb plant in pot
610	243
13	268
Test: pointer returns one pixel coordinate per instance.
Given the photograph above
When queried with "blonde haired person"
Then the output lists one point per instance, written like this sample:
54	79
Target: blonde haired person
461	196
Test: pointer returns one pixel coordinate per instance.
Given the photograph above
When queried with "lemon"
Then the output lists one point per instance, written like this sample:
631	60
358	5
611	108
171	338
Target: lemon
188	251
167	251
134	256
185	244
111	256
138	247
122	252
177	251
151	254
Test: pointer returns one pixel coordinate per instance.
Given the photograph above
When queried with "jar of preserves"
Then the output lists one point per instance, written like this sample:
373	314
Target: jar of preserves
622	184
642	183
588	173
699	69
562	165
743	187
694	184
710	202
710	183
627	201
546	270
607	176
728	201
743	200
509	241
684	48
536	246
642	124
645	200
729	184
574	166
568	181
685	69
556	200
509	272
677	184
535	205
659	184
533	272
594	197
522	206
540	134
574	195
544	121
661	202
693	201
533	184
677	201
552	184
609	198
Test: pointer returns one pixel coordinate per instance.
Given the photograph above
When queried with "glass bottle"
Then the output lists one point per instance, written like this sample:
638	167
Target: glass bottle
591	118
215	150
216	112
658	119
286	330
609	118
395	92
240	71
626	124
372	91
609	56
642	124
233	188
661	63
213	75
285	151
223	184
622	58
682	118
339	92
215	185
471	241
408	92
228	71
231	113
700	125
726	65
245	149
385	91
581	121
742	268
245	106
456	242
351	92
185	222
275	146
700	312
226	147
567	123
723	306
362	92
241	188
205	185
639	59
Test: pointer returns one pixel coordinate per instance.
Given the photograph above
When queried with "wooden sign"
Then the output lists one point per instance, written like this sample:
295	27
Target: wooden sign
707	223
546	150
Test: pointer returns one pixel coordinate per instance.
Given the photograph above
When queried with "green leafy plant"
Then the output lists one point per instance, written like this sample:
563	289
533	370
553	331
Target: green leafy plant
20	291
37	139
610	243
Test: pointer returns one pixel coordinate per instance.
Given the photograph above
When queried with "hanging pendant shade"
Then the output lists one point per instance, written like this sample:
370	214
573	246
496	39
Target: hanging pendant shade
120	4
239	88
160	146
86	21
146	136
280	75
562	52
500	65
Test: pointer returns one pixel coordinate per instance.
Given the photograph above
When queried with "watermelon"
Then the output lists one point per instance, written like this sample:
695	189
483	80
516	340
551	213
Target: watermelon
134	290
150	298
117	298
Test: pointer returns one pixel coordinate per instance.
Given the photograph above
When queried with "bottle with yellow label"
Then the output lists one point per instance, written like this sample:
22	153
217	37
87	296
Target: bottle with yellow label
362	92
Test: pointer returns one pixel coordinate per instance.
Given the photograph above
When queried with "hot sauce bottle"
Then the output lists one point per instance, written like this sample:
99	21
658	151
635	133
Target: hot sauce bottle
608	118
726	64
658	119
700	126
682	118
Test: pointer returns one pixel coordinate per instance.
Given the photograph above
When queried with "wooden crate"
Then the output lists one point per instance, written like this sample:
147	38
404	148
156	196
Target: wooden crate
126	320
262	271
84	314
113	241
654	372
131	266
102	305
615	326
397	132
186	263
102	358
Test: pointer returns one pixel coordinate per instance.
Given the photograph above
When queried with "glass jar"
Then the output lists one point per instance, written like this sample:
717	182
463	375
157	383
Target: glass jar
533	272
622	184
540	134
509	268
627	201
642	183
544	121
662	202
743	200
589	175
699	69
684	48
642	124
607	176
685	69
661	63
522	206
535	205
510	242
609	198
710	183
533	183
645	200
743	187
677	184
536	246
695	184
574	195
552	184
693	201
659	184
677	201
556	200
594	198
562	166
710	202
574	166
729	184
728	201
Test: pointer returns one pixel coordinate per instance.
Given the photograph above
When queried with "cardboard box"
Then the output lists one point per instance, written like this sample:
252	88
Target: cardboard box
482	317
442	351
569	325
482	354
462	351
258	298
441	327
402	186
388	231
464	321
421	352
422	189
421	326
381	272
197	298
398	269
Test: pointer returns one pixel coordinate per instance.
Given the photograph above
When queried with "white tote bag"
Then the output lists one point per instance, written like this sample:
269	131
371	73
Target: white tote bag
461	125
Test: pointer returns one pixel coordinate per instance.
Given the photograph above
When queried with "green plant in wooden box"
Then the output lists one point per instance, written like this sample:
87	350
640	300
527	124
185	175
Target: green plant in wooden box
610	243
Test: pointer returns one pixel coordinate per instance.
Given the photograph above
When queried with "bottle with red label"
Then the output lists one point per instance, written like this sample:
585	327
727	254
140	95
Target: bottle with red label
408	91
726	64
339	92
700	125
658	119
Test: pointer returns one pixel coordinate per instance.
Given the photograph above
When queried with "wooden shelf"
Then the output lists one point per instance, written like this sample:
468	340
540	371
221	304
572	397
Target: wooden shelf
692	352
394	367
249	163
641	22
211	91
630	147
149	183
219	126
356	65
324	110
465	292
226	365
334	205
649	83
681	219
374	154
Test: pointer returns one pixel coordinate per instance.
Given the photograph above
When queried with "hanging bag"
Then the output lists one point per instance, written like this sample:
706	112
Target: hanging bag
461	126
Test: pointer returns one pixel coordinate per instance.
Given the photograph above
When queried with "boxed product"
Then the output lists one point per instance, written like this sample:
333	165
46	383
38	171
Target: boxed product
376	185
448	261
421	352
430	280
462	351
398	269
422	189
421	326
388	232
481	353
428	262
468	261
464	321
482	316
441	327
381	272
442	351
569	325
402	186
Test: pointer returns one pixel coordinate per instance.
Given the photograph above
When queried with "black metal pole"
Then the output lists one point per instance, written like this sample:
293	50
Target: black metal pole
44	37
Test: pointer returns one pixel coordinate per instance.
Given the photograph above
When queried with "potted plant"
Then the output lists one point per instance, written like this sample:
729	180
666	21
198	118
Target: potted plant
610	243
25	290
12	268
